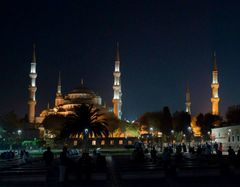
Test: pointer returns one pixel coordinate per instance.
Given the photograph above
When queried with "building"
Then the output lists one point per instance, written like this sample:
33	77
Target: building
64	103
188	100
215	85
117	96
32	89
228	136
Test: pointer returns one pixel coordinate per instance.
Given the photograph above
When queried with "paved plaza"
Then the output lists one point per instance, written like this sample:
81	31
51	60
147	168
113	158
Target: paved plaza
123	171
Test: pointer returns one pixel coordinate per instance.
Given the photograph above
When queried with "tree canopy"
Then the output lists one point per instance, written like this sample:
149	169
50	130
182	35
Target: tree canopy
208	121
233	114
85	118
164	121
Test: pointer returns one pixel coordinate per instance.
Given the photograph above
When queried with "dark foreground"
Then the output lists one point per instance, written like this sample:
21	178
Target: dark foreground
124	171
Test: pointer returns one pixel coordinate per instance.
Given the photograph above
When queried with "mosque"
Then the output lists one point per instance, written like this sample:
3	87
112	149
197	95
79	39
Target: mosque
65	103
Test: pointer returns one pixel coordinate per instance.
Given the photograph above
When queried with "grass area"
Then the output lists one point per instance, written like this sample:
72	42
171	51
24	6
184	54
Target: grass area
103	151
116	151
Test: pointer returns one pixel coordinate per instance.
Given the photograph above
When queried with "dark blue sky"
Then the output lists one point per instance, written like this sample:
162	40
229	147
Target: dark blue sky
163	44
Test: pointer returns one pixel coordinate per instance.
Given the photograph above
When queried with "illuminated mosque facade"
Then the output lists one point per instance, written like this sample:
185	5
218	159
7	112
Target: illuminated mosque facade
65	103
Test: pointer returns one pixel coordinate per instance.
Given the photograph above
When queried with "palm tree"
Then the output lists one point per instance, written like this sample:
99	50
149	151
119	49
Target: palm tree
85	121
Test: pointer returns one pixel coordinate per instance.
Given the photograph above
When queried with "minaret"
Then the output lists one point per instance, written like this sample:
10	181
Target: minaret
188	101
32	89
59	97
117	97
215	99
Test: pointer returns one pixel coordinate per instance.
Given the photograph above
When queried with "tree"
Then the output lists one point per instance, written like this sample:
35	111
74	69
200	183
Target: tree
233	114
113	123
10	121
150	119
85	121
166	124
208	121
181	121
54	123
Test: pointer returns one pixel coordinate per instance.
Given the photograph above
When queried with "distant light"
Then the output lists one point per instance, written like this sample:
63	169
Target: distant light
172	131
86	131
151	129
19	131
159	134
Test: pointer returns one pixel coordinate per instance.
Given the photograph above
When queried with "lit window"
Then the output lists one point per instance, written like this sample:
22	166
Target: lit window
111	142
103	142
94	142
75	142
130	142
120	142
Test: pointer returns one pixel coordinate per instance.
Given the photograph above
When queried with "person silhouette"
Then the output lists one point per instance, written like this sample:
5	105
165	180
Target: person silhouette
48	156
64	162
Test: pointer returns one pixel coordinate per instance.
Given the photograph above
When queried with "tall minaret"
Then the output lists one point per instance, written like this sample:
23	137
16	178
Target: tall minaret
117	97
215	99
188	101
32	89
59	97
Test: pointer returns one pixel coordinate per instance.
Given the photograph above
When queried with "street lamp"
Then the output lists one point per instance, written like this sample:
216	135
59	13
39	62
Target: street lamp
229	135
172	133
85	137
209	136
190	134
19	132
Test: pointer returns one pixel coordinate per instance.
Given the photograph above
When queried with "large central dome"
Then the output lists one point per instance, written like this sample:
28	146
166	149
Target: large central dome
81	95
82	89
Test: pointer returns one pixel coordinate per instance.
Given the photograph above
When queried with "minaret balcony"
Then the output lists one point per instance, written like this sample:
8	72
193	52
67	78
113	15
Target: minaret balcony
116	87
116	74
215	85
33	75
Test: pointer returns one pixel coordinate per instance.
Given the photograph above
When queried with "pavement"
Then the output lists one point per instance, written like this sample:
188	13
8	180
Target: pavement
124	171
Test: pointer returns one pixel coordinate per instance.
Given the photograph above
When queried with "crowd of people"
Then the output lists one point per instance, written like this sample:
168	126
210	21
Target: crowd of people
7	155
81	166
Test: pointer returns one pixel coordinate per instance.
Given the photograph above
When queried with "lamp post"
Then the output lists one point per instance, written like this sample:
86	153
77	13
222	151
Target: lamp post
85	140
229	136
190	135
172	134
19	132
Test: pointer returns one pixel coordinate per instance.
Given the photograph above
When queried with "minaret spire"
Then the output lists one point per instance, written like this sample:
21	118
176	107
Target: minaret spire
214	62
59	87
188	100
215	85
117	53
117	97
32	88
34	53
81	81
59	98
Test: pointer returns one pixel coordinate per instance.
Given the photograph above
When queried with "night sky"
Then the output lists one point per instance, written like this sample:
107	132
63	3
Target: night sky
163	44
